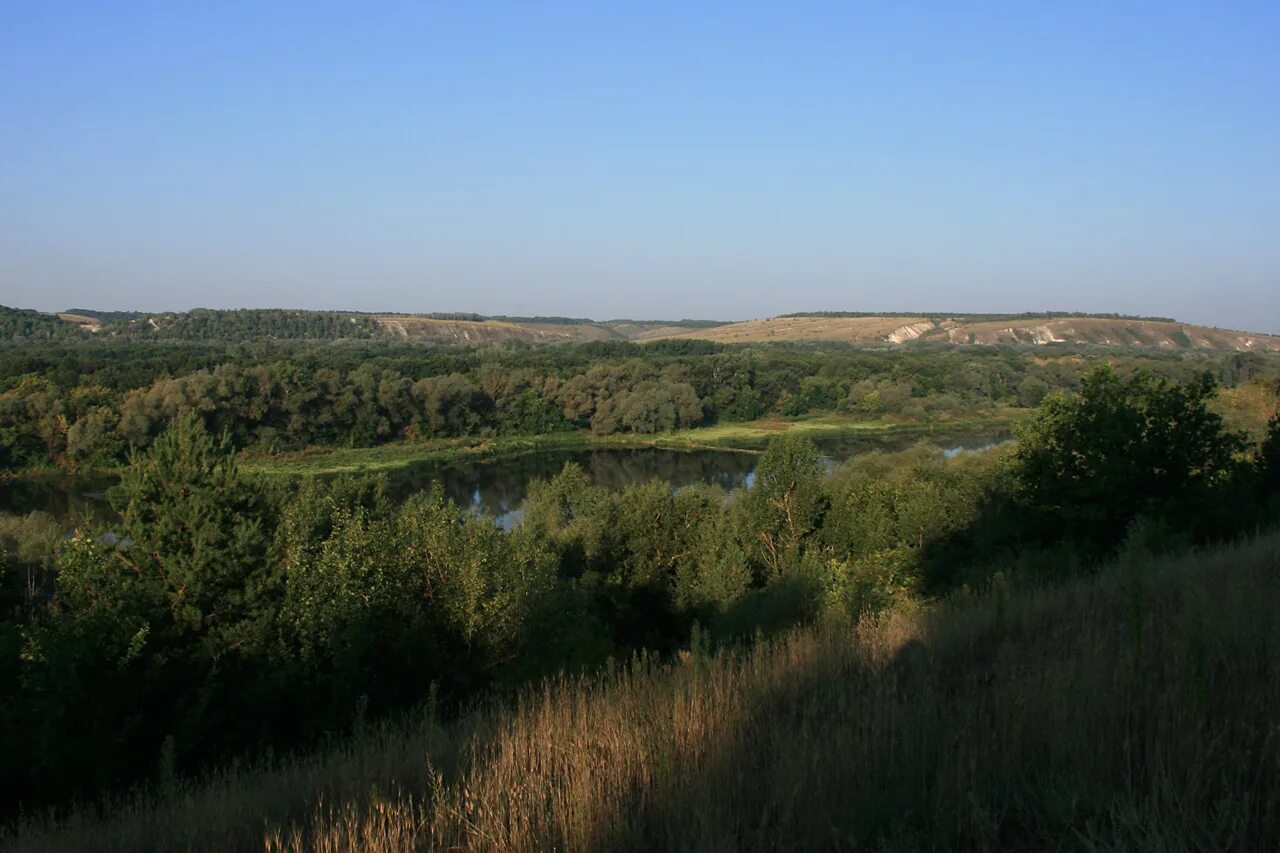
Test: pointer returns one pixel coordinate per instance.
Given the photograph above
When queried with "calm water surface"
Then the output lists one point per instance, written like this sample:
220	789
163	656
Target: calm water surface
498	487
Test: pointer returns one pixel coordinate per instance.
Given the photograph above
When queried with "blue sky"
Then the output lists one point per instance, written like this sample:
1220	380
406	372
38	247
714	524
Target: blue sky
643	159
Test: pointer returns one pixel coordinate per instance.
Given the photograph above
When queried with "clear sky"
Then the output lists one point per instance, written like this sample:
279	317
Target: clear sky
620	159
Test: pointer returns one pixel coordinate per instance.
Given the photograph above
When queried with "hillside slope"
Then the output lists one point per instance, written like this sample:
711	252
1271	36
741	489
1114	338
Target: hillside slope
493	330
463	329
1102	331
1133	710
476	330
481	332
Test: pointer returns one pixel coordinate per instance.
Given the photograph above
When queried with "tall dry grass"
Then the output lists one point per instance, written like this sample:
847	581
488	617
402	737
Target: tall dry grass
1137	710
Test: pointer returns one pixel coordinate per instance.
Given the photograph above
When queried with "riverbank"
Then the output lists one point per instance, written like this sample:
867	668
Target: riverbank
750	437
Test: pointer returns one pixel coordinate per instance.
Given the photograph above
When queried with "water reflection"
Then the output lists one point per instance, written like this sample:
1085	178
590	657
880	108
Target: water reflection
498	487
66	496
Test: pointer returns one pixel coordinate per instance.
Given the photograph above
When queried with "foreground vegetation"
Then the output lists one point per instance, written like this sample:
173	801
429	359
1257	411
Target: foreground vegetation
220	615
1134	710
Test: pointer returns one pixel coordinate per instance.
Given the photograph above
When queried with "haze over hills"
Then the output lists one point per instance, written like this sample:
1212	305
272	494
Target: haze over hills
477	330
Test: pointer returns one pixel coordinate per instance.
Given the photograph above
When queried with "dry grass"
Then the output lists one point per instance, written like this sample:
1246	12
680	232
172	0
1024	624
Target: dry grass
849	329
1076	330
1112	332
1134	711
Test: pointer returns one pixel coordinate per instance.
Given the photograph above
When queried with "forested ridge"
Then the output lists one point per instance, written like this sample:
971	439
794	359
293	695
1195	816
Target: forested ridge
199	324
256	324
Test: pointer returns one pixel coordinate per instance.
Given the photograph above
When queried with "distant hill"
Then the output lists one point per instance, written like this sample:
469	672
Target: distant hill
478	330
21	324
287	324
206	324
983	329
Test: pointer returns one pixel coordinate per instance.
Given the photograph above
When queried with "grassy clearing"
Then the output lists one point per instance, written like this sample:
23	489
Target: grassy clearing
1135	710
746	437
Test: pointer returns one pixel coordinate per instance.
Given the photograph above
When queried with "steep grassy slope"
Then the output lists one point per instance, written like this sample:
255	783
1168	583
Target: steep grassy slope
959	330
1132	711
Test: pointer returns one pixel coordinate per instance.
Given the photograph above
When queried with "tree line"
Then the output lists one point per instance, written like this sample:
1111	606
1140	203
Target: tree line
85	407
198	324
248	324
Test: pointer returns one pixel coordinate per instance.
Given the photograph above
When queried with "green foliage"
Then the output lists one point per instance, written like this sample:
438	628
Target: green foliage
94	440
274	394
871	583
33	424
28	553
1267	467
216	615
194	532
20	324
1090	464
160	614
573	516
1268	459
719	574
1032	391
204	324
656	530
649	407
451	405
784	506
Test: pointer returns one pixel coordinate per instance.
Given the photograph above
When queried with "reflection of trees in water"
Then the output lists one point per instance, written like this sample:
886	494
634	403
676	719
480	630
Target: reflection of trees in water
502	484
498	488
60	496
843	448
618	469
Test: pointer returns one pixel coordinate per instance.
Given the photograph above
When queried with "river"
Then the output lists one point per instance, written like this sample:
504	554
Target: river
497	487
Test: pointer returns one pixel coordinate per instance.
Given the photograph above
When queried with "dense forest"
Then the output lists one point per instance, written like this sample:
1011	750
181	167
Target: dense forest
86	405
19	325
199	324
24	325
